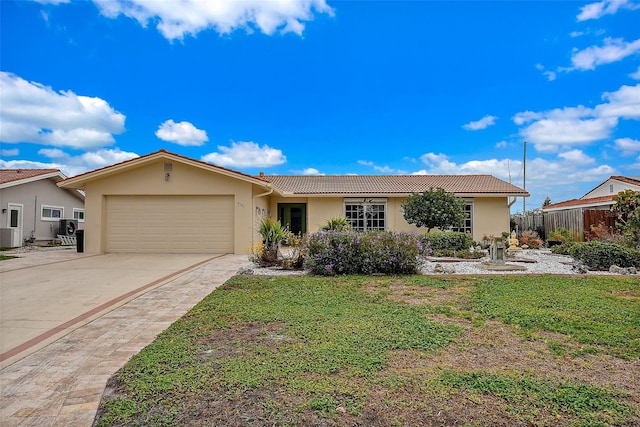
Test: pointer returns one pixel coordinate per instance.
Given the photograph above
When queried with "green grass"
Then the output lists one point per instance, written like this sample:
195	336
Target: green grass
285	349
5	257
600	311
595	406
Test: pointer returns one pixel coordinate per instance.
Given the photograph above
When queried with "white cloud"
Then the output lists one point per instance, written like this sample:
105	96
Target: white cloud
501	144
483	123
183	133
52	1
32	112
72	165
628	146
9	152
311	172
577	157
613	50
246	154
382	169
570	126
556	177
53	153
575	34
636	74
599	9
102	158
177	18
551	75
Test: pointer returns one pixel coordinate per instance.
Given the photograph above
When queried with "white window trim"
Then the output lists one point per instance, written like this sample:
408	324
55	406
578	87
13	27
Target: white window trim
369	201
78	210
471	215
46	218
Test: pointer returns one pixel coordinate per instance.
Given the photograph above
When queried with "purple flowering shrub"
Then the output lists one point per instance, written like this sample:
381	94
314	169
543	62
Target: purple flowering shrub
332	253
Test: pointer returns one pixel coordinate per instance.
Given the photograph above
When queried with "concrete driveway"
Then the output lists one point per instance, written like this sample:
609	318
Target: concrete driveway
69	321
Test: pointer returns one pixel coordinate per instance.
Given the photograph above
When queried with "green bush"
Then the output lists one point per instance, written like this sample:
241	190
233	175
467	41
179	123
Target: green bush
561	234
464	253
447	240
338	223
331	253
563	248
600	255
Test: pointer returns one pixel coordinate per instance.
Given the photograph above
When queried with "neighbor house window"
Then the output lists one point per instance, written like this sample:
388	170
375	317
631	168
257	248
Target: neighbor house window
78	214
366	214
52	213
467	222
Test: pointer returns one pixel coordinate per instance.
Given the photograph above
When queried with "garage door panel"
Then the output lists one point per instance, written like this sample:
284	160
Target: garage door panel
188	224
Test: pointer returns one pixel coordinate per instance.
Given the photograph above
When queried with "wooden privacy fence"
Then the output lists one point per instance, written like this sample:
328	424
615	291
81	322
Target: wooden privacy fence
529	221
577	221
594	218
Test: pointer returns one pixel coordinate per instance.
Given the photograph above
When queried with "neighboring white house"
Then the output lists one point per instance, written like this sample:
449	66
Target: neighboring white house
590	210
34	209
601	197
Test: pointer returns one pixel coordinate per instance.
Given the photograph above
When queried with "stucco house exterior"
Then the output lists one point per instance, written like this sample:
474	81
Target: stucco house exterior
33	206
579	215
165	202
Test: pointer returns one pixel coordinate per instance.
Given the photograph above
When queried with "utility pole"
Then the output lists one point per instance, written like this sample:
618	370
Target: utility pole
524	179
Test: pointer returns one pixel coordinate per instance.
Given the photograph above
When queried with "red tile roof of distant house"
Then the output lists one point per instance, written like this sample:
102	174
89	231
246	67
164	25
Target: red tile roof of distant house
594	201
11	175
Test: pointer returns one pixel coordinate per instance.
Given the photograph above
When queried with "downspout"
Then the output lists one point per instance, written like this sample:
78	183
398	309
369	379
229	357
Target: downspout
35	215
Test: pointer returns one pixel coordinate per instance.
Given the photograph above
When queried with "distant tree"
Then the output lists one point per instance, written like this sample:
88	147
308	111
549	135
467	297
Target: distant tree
547	201
434	209
627	211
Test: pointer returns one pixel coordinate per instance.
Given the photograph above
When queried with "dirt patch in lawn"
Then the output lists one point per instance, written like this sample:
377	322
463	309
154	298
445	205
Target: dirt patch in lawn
413	388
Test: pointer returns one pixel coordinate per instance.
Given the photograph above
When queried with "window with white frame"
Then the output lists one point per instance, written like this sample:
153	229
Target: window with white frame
467	222
52	213
366	214
78	214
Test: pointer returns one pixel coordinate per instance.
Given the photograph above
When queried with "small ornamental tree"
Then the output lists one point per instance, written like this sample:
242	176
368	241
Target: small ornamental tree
434	209
627	212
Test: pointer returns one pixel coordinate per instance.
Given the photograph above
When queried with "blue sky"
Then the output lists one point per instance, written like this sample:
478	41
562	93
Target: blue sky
328	87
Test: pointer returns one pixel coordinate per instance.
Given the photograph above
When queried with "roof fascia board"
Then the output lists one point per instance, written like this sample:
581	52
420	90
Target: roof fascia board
50	175
81	180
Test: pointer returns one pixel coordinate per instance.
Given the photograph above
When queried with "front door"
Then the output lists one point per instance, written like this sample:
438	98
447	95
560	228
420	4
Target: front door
14	222
293	216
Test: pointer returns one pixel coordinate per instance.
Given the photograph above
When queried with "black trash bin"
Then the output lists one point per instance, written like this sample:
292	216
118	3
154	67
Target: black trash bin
80	240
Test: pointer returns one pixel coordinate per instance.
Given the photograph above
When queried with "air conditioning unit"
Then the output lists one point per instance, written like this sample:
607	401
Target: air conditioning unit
68	227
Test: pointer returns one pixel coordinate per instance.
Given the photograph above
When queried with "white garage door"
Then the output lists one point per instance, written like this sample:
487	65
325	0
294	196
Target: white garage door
171	224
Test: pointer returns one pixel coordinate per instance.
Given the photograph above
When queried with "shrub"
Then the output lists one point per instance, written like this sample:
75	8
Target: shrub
272	234
530	238
603	233
330	253
464	253
563	248
447	240
338	223
600	255
562	235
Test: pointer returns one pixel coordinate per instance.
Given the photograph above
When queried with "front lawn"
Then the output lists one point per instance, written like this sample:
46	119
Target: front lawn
381	351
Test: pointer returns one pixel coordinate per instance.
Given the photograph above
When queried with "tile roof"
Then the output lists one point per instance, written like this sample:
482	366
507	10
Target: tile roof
602	200
628	179
11	175
392	184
